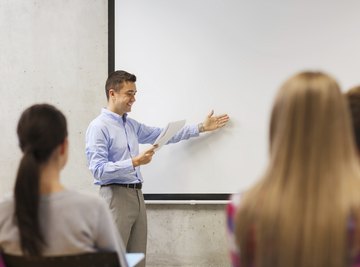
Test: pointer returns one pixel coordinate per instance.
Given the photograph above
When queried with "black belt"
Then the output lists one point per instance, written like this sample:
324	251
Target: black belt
134	186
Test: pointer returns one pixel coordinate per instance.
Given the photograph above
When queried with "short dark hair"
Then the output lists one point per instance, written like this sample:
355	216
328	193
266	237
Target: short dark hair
116	80
353	98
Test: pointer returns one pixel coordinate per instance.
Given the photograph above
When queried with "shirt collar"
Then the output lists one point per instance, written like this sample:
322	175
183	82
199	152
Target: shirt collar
114	115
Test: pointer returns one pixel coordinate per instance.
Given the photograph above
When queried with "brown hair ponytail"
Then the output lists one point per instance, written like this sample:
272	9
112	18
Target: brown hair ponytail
41	129
26	205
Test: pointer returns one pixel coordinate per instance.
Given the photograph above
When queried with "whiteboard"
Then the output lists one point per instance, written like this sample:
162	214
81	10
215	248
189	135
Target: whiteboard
191	56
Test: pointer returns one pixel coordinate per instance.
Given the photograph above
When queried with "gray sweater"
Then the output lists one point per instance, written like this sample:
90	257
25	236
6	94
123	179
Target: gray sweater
71	222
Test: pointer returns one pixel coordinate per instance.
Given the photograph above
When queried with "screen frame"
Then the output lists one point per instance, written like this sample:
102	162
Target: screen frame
154	197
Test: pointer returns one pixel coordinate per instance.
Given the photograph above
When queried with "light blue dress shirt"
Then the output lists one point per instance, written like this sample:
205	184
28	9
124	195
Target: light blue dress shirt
113	140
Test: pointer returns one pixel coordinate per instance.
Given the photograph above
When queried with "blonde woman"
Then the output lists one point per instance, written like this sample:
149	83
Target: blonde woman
304	212
353	97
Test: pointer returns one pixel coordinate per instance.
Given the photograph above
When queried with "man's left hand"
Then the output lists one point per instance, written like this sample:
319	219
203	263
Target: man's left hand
214	122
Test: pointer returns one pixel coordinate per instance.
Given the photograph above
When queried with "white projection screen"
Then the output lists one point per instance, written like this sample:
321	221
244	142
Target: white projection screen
192	56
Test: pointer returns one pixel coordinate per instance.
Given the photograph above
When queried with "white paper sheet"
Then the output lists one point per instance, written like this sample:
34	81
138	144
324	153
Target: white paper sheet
134	258
169	131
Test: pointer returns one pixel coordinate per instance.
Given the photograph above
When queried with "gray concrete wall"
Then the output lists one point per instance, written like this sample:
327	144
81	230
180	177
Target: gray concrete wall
187	235
56	51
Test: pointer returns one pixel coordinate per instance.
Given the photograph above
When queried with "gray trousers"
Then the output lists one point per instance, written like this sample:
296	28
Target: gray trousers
128	209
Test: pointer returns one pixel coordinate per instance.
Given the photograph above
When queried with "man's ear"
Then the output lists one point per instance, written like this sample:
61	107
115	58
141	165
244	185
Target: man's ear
111	93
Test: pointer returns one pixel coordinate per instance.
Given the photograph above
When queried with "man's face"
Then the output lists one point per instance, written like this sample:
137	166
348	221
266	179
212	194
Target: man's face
124	98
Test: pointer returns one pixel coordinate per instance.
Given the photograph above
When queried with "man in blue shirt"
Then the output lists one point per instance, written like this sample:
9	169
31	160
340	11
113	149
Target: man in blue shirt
112	150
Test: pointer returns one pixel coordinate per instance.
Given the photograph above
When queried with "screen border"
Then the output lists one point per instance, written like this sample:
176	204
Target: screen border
111	68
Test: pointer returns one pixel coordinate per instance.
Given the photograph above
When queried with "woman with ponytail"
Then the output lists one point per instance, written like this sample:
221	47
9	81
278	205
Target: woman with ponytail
305	211
43	218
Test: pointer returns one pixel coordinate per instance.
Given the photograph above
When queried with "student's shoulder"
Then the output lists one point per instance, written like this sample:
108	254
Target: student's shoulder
235	199
84	198
6	200
234	204
6	206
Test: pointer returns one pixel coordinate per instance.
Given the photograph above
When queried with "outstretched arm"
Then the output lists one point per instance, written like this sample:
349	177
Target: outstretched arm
212	123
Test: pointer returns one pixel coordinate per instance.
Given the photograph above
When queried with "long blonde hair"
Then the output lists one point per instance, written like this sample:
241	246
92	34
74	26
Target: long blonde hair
353	98
298	214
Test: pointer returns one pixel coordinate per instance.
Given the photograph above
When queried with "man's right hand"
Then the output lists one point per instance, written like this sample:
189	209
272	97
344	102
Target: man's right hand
144	158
